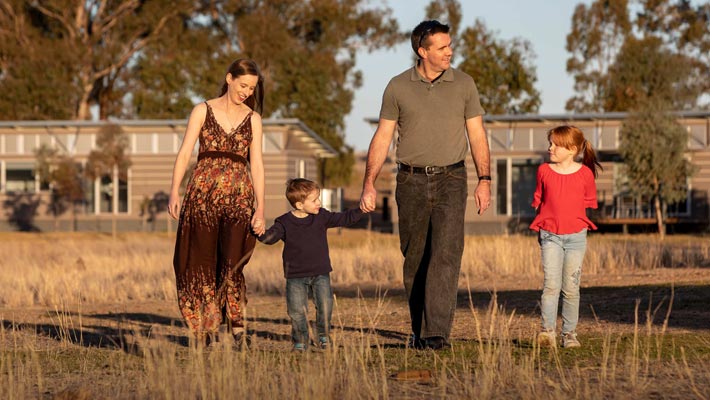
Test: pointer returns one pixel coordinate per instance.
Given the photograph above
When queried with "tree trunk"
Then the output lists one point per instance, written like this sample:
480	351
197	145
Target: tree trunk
83	111
657	206
75	222
87	86
55	214
114	201
659	217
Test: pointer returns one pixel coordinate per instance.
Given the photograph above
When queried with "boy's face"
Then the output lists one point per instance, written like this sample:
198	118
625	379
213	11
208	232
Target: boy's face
311	204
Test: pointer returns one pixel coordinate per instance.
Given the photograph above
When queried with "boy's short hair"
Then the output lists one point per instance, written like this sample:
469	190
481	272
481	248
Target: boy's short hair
298	189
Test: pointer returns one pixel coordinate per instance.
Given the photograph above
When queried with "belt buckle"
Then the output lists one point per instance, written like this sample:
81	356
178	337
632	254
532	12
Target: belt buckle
430	170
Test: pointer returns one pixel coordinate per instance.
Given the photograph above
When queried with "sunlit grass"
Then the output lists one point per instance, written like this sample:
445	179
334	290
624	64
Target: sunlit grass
61	273
46	269
494	363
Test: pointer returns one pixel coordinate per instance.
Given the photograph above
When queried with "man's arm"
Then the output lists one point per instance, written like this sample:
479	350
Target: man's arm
376	156
478	140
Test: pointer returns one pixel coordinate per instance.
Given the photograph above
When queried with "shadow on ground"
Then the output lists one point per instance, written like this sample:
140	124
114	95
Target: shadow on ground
689	307
88	335
689	310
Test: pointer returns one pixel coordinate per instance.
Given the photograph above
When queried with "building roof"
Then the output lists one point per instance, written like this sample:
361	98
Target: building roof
570	117
299	129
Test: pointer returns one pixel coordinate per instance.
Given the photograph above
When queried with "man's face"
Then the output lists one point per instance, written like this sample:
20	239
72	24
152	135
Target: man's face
436	52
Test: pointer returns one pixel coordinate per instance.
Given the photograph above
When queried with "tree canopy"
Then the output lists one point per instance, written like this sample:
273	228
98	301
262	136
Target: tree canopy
609	41
503	69
645	71
653	146
75	50
155	58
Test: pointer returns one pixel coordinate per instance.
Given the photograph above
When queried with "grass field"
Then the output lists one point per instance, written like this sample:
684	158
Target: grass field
85	316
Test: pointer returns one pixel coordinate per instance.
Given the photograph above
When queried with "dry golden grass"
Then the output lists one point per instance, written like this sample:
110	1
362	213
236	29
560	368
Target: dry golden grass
58	340
648	363
49	269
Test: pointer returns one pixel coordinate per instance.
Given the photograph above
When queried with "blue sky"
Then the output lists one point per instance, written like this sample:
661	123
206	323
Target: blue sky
544	23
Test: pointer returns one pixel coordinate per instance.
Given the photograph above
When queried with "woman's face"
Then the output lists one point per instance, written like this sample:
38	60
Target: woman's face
241	87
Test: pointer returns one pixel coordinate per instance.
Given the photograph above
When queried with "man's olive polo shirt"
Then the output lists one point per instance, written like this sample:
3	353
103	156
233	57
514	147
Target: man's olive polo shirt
431	117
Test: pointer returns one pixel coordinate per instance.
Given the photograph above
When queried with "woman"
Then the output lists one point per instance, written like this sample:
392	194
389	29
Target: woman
214	241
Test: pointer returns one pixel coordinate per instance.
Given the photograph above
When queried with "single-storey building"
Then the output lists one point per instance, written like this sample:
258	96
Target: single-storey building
138	200
518	145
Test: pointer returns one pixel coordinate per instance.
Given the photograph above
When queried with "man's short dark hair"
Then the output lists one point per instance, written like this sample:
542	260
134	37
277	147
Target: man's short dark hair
422	32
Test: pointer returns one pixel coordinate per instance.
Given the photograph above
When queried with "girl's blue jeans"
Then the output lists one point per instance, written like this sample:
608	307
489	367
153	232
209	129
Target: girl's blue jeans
562	257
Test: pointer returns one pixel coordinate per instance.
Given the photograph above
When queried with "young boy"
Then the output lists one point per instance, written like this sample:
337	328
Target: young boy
306	260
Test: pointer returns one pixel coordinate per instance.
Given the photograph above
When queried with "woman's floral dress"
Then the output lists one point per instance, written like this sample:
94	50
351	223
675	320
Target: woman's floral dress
214	240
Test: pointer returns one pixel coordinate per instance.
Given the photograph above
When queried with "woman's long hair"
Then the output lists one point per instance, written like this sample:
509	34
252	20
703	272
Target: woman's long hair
569	136
244	66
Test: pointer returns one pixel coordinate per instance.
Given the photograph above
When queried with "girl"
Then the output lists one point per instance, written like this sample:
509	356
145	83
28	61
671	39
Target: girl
565	188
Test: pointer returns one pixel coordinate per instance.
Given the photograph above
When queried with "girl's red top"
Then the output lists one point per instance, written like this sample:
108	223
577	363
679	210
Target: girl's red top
563	199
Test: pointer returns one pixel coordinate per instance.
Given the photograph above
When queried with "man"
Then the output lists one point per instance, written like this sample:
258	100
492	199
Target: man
434	108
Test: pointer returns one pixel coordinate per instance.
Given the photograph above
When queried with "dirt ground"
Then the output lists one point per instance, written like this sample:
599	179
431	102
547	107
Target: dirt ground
608	305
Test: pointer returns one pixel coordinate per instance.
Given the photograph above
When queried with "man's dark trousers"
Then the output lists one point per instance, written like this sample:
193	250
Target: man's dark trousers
431	211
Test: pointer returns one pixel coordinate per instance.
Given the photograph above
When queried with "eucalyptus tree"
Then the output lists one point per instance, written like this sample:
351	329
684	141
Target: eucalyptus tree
504	70
603	28
654	147
110	160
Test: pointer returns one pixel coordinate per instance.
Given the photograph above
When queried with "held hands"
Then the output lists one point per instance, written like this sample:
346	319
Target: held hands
368	199
483	196
257	222
174	206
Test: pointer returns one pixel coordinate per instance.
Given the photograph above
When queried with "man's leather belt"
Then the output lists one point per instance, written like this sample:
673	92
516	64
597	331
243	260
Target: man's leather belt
429	170
221	154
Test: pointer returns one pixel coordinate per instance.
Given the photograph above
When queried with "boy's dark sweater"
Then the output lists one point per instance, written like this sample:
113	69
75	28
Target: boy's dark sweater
305	251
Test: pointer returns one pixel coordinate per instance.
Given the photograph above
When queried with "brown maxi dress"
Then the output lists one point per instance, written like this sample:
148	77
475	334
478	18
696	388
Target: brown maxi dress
214	241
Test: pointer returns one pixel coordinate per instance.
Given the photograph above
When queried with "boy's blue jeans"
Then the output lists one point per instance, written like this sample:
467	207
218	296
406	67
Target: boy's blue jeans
297	293
562	257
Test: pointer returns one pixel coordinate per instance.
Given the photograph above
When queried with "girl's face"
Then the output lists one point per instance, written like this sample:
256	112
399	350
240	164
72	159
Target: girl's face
559	154
241	87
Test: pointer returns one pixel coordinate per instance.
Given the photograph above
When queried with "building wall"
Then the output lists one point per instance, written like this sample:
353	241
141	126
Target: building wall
518	147
152	151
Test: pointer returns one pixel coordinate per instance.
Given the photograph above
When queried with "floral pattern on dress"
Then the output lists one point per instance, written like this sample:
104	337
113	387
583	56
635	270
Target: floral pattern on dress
220	185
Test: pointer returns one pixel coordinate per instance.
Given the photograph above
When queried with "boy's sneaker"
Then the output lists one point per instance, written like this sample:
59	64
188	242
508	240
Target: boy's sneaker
323	343
299	347
569	340
547	339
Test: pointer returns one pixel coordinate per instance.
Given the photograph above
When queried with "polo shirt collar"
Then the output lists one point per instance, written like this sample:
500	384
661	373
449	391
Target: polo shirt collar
447	76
